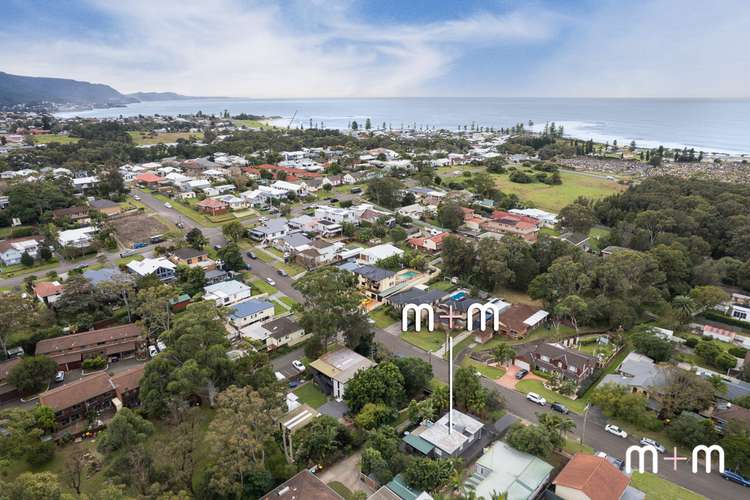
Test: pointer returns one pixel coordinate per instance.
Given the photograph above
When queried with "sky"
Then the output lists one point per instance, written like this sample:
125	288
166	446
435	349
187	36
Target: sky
386	48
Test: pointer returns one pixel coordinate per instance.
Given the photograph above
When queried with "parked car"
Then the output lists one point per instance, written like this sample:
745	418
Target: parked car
152	351
735	477
298	365
217	247
160	345
521	373
279	376
356	190
536	398
60	376
281	272
650	442
252	255
560	407
613	429
167	204
136	197
293	384
270	282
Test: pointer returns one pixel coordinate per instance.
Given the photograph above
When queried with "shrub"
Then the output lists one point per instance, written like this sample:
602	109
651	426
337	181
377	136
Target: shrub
41	454
96	363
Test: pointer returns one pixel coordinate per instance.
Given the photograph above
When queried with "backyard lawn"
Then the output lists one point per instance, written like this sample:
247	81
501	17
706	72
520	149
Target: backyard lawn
262	286
655	487
310	394
50	138
553	198
288	301
526	386
537	334
490	372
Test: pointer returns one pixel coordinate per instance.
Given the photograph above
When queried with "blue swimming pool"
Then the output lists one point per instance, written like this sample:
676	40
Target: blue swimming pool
458	296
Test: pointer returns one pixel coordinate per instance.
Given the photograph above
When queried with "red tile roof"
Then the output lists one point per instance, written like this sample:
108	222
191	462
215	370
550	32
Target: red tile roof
148	177
129	379
594	476
45	289
78	341
212	203
77	392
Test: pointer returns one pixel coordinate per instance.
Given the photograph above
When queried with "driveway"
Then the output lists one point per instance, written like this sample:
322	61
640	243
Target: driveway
509	380
346	472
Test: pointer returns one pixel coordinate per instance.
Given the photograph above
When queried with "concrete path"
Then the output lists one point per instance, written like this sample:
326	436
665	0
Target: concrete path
346	472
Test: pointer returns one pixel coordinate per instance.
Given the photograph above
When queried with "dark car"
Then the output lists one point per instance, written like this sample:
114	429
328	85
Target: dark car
521	373
282	272
560	407
735	477
217	247
251	255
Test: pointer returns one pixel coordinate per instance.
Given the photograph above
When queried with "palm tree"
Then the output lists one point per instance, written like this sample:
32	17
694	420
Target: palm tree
684	307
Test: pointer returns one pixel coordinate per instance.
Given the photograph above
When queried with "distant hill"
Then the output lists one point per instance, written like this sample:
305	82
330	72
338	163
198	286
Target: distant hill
159	96
15	90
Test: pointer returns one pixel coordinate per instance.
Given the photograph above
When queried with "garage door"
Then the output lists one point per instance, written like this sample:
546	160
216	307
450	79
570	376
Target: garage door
522	364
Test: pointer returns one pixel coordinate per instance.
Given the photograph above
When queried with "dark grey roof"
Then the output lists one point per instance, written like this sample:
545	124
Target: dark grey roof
215	273
574	238
104	204
416	296
373	273
188	253
281	327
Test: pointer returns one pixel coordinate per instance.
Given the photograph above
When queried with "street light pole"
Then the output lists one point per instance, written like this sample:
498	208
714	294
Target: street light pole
585	419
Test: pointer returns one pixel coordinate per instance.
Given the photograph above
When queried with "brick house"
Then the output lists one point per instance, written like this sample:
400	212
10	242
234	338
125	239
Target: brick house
69	351
519	319
570	364
212	206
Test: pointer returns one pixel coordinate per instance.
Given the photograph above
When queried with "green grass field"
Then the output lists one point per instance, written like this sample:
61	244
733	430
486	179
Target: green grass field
252	123
381	318
341	489
288	301
428	341
50	138
8	232
655	487
262	286
140	138
310	394
573	446
490	372
553	198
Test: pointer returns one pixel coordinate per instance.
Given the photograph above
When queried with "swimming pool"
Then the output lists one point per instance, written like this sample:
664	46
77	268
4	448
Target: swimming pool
409	275
458	295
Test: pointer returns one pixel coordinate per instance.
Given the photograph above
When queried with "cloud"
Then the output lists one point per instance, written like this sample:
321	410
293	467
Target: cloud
255	49
669	48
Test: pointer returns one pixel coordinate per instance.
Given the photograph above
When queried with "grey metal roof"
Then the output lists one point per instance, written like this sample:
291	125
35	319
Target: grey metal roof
373	273
248	308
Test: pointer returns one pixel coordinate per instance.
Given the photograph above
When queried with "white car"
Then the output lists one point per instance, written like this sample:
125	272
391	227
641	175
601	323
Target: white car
279	376
613	429
59	376
536	398
168	205
136	197
152	351
160	345
298	365
270	282
650	442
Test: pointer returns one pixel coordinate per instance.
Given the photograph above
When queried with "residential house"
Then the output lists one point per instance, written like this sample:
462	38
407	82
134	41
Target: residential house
519	319
334	369
377	253
212	206
48	292
162	268
726	413
227	292
150	180
429	243
434	439
98	276
304	485
639	373
545	219
275	333
77	238
320	252
270	231
195	185
336	215
216	276
590	477
417	295
504	469
513	224
127	384
290	187
373	281
577	239
250	311
292	243
11	251
568	363
76	215
612	249
69	351
81	184
192	258
106	207
299	415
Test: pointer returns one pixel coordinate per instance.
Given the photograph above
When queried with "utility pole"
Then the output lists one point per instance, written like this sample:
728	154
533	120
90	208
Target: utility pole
585	419
450	384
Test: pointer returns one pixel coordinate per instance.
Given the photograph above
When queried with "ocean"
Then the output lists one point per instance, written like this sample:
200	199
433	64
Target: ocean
709	125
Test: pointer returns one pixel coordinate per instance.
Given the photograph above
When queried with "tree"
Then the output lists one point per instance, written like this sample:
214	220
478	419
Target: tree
534	439
458	256
652	346
231	257
558	424
332	307
27	260
426	474
153	305
736	444
191	280
578	216
120	289
195	239
81	303
322	440
32	374
450	215
373	463
17	313
685	391
492	269
374	415
126	429
238	442
691	431
503	353
74	469
708	297
421	410
573	307
385	191
45	253
234	231
618	402
468	391
684	308
417	374
380	384
31	486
